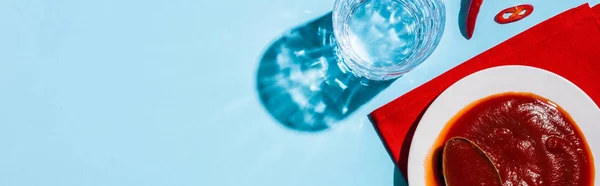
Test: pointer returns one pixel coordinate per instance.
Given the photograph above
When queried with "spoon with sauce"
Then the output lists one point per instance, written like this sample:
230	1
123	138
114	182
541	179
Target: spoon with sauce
464	163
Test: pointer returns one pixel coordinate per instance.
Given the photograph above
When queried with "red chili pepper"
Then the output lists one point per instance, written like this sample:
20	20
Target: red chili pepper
516	13
474	7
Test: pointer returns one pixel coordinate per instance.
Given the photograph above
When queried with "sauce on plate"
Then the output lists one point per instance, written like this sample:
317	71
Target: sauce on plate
529	139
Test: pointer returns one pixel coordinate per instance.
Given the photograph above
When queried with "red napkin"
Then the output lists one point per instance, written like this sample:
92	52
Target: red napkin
567	44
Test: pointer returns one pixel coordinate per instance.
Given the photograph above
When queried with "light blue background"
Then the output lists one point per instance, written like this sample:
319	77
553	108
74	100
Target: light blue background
162	92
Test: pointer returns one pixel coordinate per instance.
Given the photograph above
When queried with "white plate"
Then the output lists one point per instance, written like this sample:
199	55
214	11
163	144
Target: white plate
499	80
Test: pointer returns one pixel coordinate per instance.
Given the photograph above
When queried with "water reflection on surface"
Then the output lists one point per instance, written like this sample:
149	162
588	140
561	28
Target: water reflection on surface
301	84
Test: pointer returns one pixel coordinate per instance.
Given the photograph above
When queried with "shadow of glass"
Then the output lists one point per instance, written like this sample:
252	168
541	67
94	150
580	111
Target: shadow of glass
301	84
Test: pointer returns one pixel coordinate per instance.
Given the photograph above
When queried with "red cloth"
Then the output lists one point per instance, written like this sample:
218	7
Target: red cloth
567	44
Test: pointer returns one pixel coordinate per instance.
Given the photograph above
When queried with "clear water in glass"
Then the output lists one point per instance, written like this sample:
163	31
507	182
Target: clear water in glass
383	39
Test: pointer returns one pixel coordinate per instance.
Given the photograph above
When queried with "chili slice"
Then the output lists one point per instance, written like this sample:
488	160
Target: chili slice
516	13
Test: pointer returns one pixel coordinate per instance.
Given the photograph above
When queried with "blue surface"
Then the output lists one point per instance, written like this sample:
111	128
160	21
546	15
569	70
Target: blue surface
164	93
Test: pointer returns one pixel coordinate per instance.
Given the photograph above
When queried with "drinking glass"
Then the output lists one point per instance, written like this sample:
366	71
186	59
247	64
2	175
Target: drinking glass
384	39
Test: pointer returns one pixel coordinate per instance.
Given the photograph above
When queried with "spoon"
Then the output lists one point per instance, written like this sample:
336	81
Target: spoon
464	163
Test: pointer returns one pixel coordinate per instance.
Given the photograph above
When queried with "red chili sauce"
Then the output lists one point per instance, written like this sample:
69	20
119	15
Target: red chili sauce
529	139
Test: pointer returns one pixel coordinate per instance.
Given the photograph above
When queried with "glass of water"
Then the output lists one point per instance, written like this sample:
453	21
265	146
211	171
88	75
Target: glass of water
383	39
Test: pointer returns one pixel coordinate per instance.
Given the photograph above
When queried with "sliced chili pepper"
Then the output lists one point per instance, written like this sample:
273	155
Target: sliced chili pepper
516	13
474	7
